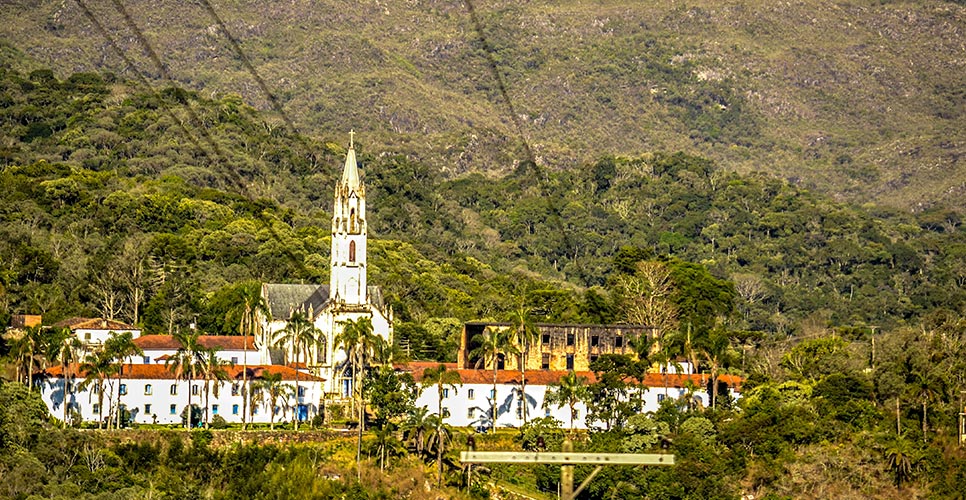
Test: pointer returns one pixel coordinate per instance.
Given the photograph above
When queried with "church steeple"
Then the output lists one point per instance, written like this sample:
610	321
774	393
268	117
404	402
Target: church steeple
348	278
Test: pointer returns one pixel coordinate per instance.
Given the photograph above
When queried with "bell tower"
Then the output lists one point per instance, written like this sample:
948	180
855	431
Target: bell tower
348	271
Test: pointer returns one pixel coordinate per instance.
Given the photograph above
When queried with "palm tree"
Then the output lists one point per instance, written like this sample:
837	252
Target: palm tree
442	379
271	386
569	391
386	444
186	360
26	348
492	343
902	458
416	427
213	369
97	367
65	348
926	387
438	441
299	333
357	339
248	311
716	350
120	347
525	333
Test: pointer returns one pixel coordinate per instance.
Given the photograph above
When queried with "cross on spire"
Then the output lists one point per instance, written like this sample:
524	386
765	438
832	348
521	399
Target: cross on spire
352	134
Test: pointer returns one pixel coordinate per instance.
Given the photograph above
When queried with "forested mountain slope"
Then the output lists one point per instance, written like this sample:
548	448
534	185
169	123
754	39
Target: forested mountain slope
862	100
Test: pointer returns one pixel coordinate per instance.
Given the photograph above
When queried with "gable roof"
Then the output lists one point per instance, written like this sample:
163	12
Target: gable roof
162	372
218	342
547	377
284	299
78	323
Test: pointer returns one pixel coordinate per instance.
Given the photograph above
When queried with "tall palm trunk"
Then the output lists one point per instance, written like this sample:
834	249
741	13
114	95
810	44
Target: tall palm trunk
117	420
100	403
66	391
493	400
244	386
523	378
297	392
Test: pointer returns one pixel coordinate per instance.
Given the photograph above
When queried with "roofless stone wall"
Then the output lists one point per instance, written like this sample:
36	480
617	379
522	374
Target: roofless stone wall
558	346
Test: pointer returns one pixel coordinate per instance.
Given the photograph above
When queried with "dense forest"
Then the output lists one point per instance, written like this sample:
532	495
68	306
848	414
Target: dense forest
160	208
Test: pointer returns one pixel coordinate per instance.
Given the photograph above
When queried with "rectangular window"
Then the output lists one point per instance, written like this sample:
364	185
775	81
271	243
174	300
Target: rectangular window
470	394
545	339
234	409
122	389
174	389
234	360
214	409
570	339
492	394
445	393
96	408
619	342
576	414
471	413
173	409
660	398
148	389
194	390
234	389
594	341
147	409
545	362
570	361
87	335
147	360
301	391
546	412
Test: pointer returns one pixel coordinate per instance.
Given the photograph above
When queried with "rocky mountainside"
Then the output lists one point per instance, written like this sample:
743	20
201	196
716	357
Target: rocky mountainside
861	99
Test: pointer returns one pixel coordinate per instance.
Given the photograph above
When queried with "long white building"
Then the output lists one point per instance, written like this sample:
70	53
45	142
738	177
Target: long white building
469	403
154	395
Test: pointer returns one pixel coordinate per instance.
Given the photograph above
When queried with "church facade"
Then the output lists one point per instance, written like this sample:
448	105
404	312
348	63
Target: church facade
347	296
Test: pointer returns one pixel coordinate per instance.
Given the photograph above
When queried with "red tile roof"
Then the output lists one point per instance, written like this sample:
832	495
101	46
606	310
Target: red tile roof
218	342
162	372
547	377
94	324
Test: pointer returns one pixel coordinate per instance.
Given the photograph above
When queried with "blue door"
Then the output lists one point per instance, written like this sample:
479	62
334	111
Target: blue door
303	413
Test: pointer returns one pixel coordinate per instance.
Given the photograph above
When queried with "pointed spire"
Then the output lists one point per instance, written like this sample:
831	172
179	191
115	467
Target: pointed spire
350	174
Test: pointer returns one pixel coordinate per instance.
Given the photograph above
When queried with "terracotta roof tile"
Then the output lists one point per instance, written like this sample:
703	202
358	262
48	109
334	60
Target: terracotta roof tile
219	342
162	372
94	324
547	377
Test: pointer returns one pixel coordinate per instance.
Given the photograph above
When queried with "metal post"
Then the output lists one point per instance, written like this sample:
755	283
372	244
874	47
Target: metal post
567	473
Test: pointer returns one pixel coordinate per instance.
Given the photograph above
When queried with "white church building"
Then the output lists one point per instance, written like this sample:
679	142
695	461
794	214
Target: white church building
347	297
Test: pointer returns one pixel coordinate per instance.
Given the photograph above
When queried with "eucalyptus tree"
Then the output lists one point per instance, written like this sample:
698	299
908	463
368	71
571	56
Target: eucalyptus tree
247	311
443	379
120	346
569	391
186	361
297	335
492	343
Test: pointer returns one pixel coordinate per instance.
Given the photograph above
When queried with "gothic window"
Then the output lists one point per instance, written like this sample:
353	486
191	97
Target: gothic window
352	220
619	342
352	251
570	339
594	341
545	362
570	361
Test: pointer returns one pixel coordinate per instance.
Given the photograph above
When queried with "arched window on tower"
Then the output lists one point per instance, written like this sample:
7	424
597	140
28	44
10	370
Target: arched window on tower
352	220
352	251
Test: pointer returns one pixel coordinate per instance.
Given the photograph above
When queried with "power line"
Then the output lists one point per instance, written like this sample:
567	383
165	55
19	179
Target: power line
251	68
145	84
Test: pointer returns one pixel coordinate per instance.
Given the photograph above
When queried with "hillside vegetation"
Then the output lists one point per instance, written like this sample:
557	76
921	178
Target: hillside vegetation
862	100
164	209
